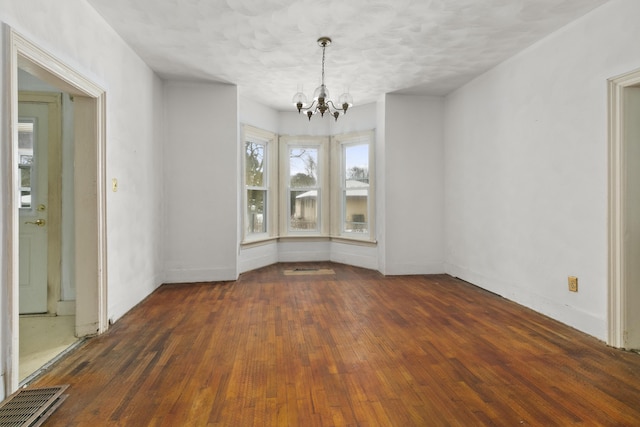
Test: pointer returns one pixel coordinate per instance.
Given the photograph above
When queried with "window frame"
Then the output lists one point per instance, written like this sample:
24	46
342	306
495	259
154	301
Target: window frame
321	143
270	181
331	182
338	185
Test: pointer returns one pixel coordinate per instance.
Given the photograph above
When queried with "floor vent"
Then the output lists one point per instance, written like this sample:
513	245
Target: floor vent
308	271
30	407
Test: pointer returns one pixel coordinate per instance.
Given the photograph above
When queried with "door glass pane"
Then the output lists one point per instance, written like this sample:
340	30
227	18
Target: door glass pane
254	164
304	210
25	160
256	211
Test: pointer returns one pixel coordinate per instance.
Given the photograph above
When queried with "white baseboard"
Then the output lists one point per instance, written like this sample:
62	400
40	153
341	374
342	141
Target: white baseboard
66	308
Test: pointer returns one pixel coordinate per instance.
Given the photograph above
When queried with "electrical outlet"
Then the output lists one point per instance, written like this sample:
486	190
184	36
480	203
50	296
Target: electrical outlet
573	284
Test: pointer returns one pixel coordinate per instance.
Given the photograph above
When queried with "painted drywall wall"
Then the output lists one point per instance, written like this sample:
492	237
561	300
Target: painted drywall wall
526	169
258	115
76	34
201	206
413	196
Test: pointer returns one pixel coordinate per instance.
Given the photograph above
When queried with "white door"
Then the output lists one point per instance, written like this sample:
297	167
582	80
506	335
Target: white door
32	158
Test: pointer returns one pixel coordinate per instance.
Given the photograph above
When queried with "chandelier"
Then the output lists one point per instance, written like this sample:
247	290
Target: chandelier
322	103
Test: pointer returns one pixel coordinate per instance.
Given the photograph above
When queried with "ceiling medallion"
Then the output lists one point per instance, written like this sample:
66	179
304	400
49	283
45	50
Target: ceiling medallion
322	103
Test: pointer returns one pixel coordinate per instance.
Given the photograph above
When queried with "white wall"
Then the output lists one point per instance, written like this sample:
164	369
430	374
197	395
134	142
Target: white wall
201	207
526	169
413	196
75	33
258	115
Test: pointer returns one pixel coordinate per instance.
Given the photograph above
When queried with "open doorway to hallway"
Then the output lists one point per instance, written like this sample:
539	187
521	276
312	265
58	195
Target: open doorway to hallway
86	263
624	211
46	232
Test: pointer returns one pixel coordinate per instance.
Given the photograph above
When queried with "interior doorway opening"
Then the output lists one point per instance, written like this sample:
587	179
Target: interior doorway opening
88	207
624	211
46	235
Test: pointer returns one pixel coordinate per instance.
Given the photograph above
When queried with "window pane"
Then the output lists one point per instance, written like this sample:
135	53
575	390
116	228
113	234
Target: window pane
256	211
304	210
355	200
254	164
25	176
356	203
303	167
356	160
26	160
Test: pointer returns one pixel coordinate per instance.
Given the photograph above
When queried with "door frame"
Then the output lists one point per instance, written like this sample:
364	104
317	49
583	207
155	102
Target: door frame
89	190
618	286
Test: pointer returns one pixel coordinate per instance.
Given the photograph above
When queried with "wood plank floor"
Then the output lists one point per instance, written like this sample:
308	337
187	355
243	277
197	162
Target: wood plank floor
352	348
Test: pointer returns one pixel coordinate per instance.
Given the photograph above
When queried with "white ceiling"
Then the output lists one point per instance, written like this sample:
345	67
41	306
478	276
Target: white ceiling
268	47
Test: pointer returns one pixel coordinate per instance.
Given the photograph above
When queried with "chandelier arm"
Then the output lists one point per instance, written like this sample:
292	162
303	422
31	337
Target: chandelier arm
333	105
310	107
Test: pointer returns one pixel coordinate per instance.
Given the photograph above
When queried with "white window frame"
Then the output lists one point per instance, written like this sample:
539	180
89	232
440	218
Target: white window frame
269	140
339	144
322	145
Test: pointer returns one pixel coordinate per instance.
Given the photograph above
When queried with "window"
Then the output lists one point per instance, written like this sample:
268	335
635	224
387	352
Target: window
259	195
304	189
304	194
353	195
326	186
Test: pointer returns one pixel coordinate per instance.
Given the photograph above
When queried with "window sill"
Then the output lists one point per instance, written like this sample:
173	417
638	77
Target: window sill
353	241
317	238
247	244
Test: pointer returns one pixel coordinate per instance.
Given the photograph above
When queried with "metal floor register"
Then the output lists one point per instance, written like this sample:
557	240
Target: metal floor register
30	407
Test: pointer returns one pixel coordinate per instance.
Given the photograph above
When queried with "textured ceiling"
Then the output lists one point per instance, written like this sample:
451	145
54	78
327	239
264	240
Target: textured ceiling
268	47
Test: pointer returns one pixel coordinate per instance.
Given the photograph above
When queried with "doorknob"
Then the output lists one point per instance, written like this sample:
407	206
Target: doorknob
38	222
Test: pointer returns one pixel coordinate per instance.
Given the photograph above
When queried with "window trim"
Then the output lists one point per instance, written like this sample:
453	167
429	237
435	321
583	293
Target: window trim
322	144
269	139
338	142
331	173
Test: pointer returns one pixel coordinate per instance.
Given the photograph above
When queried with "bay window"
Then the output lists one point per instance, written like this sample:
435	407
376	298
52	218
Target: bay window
308	186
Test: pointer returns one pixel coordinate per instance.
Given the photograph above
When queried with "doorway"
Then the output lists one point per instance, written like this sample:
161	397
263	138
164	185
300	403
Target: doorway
624	211
46	292
89	256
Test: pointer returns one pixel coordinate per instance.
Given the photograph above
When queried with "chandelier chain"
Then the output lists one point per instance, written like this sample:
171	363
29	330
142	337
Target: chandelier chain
324	46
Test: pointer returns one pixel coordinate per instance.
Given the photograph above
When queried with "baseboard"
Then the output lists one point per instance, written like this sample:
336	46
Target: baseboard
66	308
200	275
393	269
562	312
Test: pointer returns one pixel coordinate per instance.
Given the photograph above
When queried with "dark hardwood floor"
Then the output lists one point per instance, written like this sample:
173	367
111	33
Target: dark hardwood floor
352	348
